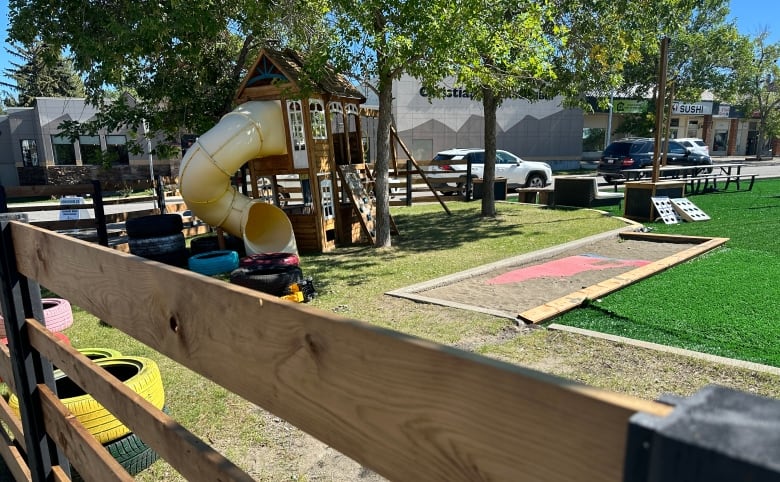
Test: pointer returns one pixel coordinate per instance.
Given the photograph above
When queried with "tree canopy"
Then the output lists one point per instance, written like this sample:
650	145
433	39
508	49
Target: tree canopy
181	61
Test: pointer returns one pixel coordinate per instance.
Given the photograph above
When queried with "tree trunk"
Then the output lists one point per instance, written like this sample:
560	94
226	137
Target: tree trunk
489	106
382	167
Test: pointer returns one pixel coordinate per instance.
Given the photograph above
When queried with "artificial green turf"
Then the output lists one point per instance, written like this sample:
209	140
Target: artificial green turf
724	302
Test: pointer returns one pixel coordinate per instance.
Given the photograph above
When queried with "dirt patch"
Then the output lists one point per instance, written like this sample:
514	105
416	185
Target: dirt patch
522	283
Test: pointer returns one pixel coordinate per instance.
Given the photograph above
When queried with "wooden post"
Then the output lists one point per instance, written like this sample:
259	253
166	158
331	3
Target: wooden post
659	107
21	299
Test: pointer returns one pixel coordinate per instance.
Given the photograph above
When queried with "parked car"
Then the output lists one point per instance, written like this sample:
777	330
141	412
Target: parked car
695	143
637	153
518	173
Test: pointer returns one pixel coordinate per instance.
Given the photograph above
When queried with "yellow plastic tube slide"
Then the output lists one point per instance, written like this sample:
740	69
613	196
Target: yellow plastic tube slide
254	129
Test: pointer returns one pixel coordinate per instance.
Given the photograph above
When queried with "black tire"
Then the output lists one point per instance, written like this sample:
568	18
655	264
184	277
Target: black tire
269	260
462	188
131	452
274	282
210	242
154	225
157	245
176	258
536	180
213	262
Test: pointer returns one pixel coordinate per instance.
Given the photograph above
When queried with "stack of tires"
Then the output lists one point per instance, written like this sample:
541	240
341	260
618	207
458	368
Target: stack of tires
272	273
158	237
142	375
208	259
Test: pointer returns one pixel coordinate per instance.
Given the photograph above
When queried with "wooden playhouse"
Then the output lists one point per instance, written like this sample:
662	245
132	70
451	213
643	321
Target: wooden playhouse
322	184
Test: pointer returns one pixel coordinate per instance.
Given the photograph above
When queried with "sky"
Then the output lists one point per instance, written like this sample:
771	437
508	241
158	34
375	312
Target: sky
752	16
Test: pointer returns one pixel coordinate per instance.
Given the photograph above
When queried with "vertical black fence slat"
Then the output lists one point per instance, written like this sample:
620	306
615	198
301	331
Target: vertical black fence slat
100	213
20	299
3	200
160	192
408	182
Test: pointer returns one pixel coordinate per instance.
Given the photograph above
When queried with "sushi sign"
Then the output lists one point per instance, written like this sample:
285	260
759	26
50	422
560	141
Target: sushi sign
698	108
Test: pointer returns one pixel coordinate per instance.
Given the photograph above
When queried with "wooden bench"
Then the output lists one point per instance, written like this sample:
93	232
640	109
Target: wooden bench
709	183
582	192
533	195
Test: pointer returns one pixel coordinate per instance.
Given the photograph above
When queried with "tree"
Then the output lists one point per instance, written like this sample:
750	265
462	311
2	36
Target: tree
381	40
534	50
40	72
758	89
180	61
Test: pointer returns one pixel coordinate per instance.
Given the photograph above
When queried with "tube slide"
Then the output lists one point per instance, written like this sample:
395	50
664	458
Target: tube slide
253	129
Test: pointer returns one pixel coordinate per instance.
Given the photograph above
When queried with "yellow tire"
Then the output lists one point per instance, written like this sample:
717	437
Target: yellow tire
141	375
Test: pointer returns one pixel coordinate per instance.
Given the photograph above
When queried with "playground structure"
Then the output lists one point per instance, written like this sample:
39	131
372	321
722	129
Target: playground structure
309	135
252	130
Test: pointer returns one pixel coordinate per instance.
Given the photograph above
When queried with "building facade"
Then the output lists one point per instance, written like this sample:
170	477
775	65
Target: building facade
31	140
540	131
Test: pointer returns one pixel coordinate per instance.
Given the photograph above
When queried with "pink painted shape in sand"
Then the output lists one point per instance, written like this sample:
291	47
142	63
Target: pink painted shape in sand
568	266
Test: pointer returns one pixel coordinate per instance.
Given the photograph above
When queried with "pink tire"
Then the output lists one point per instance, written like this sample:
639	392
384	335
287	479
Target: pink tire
57	314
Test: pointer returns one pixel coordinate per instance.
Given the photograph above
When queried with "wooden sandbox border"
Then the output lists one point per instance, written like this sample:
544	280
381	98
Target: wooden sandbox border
556	307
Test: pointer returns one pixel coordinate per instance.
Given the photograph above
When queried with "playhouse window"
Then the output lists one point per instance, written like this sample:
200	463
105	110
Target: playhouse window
295	115
352	116
336	117
317	111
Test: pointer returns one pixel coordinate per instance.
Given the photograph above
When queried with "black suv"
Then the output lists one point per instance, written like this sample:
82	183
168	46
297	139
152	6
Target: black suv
638	153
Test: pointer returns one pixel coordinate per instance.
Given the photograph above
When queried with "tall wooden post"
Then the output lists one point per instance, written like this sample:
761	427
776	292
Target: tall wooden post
659	107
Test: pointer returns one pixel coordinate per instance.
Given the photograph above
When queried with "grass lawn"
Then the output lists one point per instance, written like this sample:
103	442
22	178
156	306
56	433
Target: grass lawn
723	303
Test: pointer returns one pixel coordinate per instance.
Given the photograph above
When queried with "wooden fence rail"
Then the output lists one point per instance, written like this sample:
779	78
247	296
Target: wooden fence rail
406	408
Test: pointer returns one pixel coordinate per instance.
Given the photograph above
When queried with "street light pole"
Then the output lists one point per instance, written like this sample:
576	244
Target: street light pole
151	162
609	119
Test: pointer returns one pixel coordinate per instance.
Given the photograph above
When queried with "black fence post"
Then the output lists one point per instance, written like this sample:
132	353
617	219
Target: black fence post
160	192
716	435
3	200
469	181
409	182
21	299
100	213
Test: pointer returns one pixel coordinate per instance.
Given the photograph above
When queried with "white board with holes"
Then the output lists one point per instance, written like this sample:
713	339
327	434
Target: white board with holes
663	205
688	211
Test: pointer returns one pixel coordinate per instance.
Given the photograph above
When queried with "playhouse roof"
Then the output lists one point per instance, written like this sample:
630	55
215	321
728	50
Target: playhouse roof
281	66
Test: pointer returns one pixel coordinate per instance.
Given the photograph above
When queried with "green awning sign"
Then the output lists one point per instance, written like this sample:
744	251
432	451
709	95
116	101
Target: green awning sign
627	106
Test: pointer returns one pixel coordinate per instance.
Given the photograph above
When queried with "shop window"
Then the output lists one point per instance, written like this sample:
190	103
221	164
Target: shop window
721	140
317	113
29	152
593	139
116	148
89	146
693	129
64	151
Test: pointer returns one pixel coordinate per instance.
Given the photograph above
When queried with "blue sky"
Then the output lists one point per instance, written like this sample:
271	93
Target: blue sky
751	16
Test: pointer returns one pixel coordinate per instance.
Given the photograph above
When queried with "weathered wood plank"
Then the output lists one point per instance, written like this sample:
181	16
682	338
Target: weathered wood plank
14	460
92	461
188	454
408	408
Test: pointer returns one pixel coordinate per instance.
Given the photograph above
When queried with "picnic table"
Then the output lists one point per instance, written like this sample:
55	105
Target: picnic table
700	178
